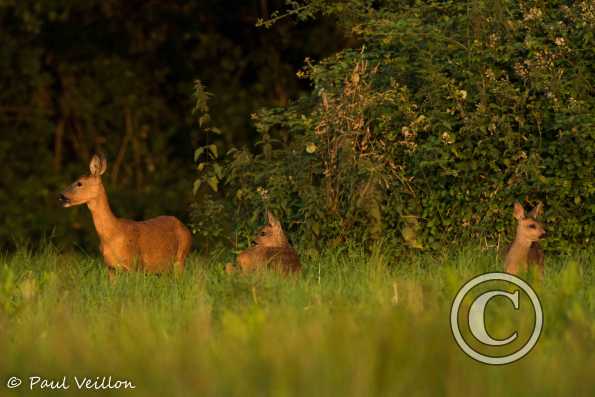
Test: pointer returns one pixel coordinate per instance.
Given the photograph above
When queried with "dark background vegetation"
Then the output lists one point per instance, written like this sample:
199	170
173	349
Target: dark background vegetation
117	76
416	123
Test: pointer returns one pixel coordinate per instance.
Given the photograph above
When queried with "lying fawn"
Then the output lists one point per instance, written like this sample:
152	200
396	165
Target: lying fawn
272	250
154	245
525	249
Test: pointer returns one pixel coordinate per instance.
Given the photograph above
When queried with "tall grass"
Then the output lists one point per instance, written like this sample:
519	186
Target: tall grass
352	324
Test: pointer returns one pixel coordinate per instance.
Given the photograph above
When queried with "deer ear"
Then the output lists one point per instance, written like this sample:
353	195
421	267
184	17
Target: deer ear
272	220
98	165
537	211
519	211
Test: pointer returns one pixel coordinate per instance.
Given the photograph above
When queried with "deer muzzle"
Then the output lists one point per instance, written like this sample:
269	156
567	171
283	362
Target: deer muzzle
65	201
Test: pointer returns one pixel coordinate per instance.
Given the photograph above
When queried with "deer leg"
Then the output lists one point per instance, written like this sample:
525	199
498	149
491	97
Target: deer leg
512	268
184	245
178	268
111	275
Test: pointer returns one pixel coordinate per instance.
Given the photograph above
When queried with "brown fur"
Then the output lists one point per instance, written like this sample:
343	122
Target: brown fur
272	251
154	245
525	250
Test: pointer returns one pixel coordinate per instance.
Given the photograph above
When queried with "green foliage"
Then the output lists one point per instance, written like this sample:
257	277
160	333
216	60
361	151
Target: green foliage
207	155
445	114
207	209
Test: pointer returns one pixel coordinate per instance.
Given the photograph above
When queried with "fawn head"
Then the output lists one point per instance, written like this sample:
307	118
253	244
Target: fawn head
271	235
87	187
528	228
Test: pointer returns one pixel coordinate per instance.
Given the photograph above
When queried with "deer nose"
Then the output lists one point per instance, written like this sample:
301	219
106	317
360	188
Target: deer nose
542	235
63	199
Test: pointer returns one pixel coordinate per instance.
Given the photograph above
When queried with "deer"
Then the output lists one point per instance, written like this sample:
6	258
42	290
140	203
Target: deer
525	250
155	245
271	250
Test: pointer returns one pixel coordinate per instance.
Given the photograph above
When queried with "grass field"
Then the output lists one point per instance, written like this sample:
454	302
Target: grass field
352	325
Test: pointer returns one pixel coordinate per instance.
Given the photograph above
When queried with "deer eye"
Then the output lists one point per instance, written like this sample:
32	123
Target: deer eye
532	226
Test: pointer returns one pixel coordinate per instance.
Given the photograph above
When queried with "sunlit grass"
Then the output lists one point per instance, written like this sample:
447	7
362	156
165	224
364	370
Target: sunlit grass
353	324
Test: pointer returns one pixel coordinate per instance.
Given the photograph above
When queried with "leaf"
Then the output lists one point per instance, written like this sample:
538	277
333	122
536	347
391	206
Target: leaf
213	149
196	186
218	170
311	148
204	119
198	152
213	183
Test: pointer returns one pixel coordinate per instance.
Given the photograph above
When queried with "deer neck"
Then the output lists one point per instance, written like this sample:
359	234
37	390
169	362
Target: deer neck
103	218
519	250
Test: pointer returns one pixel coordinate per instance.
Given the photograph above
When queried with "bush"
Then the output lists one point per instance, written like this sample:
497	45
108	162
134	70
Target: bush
427	132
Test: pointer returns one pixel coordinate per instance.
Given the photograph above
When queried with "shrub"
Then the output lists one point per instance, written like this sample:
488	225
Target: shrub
428	131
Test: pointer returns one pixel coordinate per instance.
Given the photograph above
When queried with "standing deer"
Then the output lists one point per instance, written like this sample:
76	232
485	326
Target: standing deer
525	249
272	250
154	245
